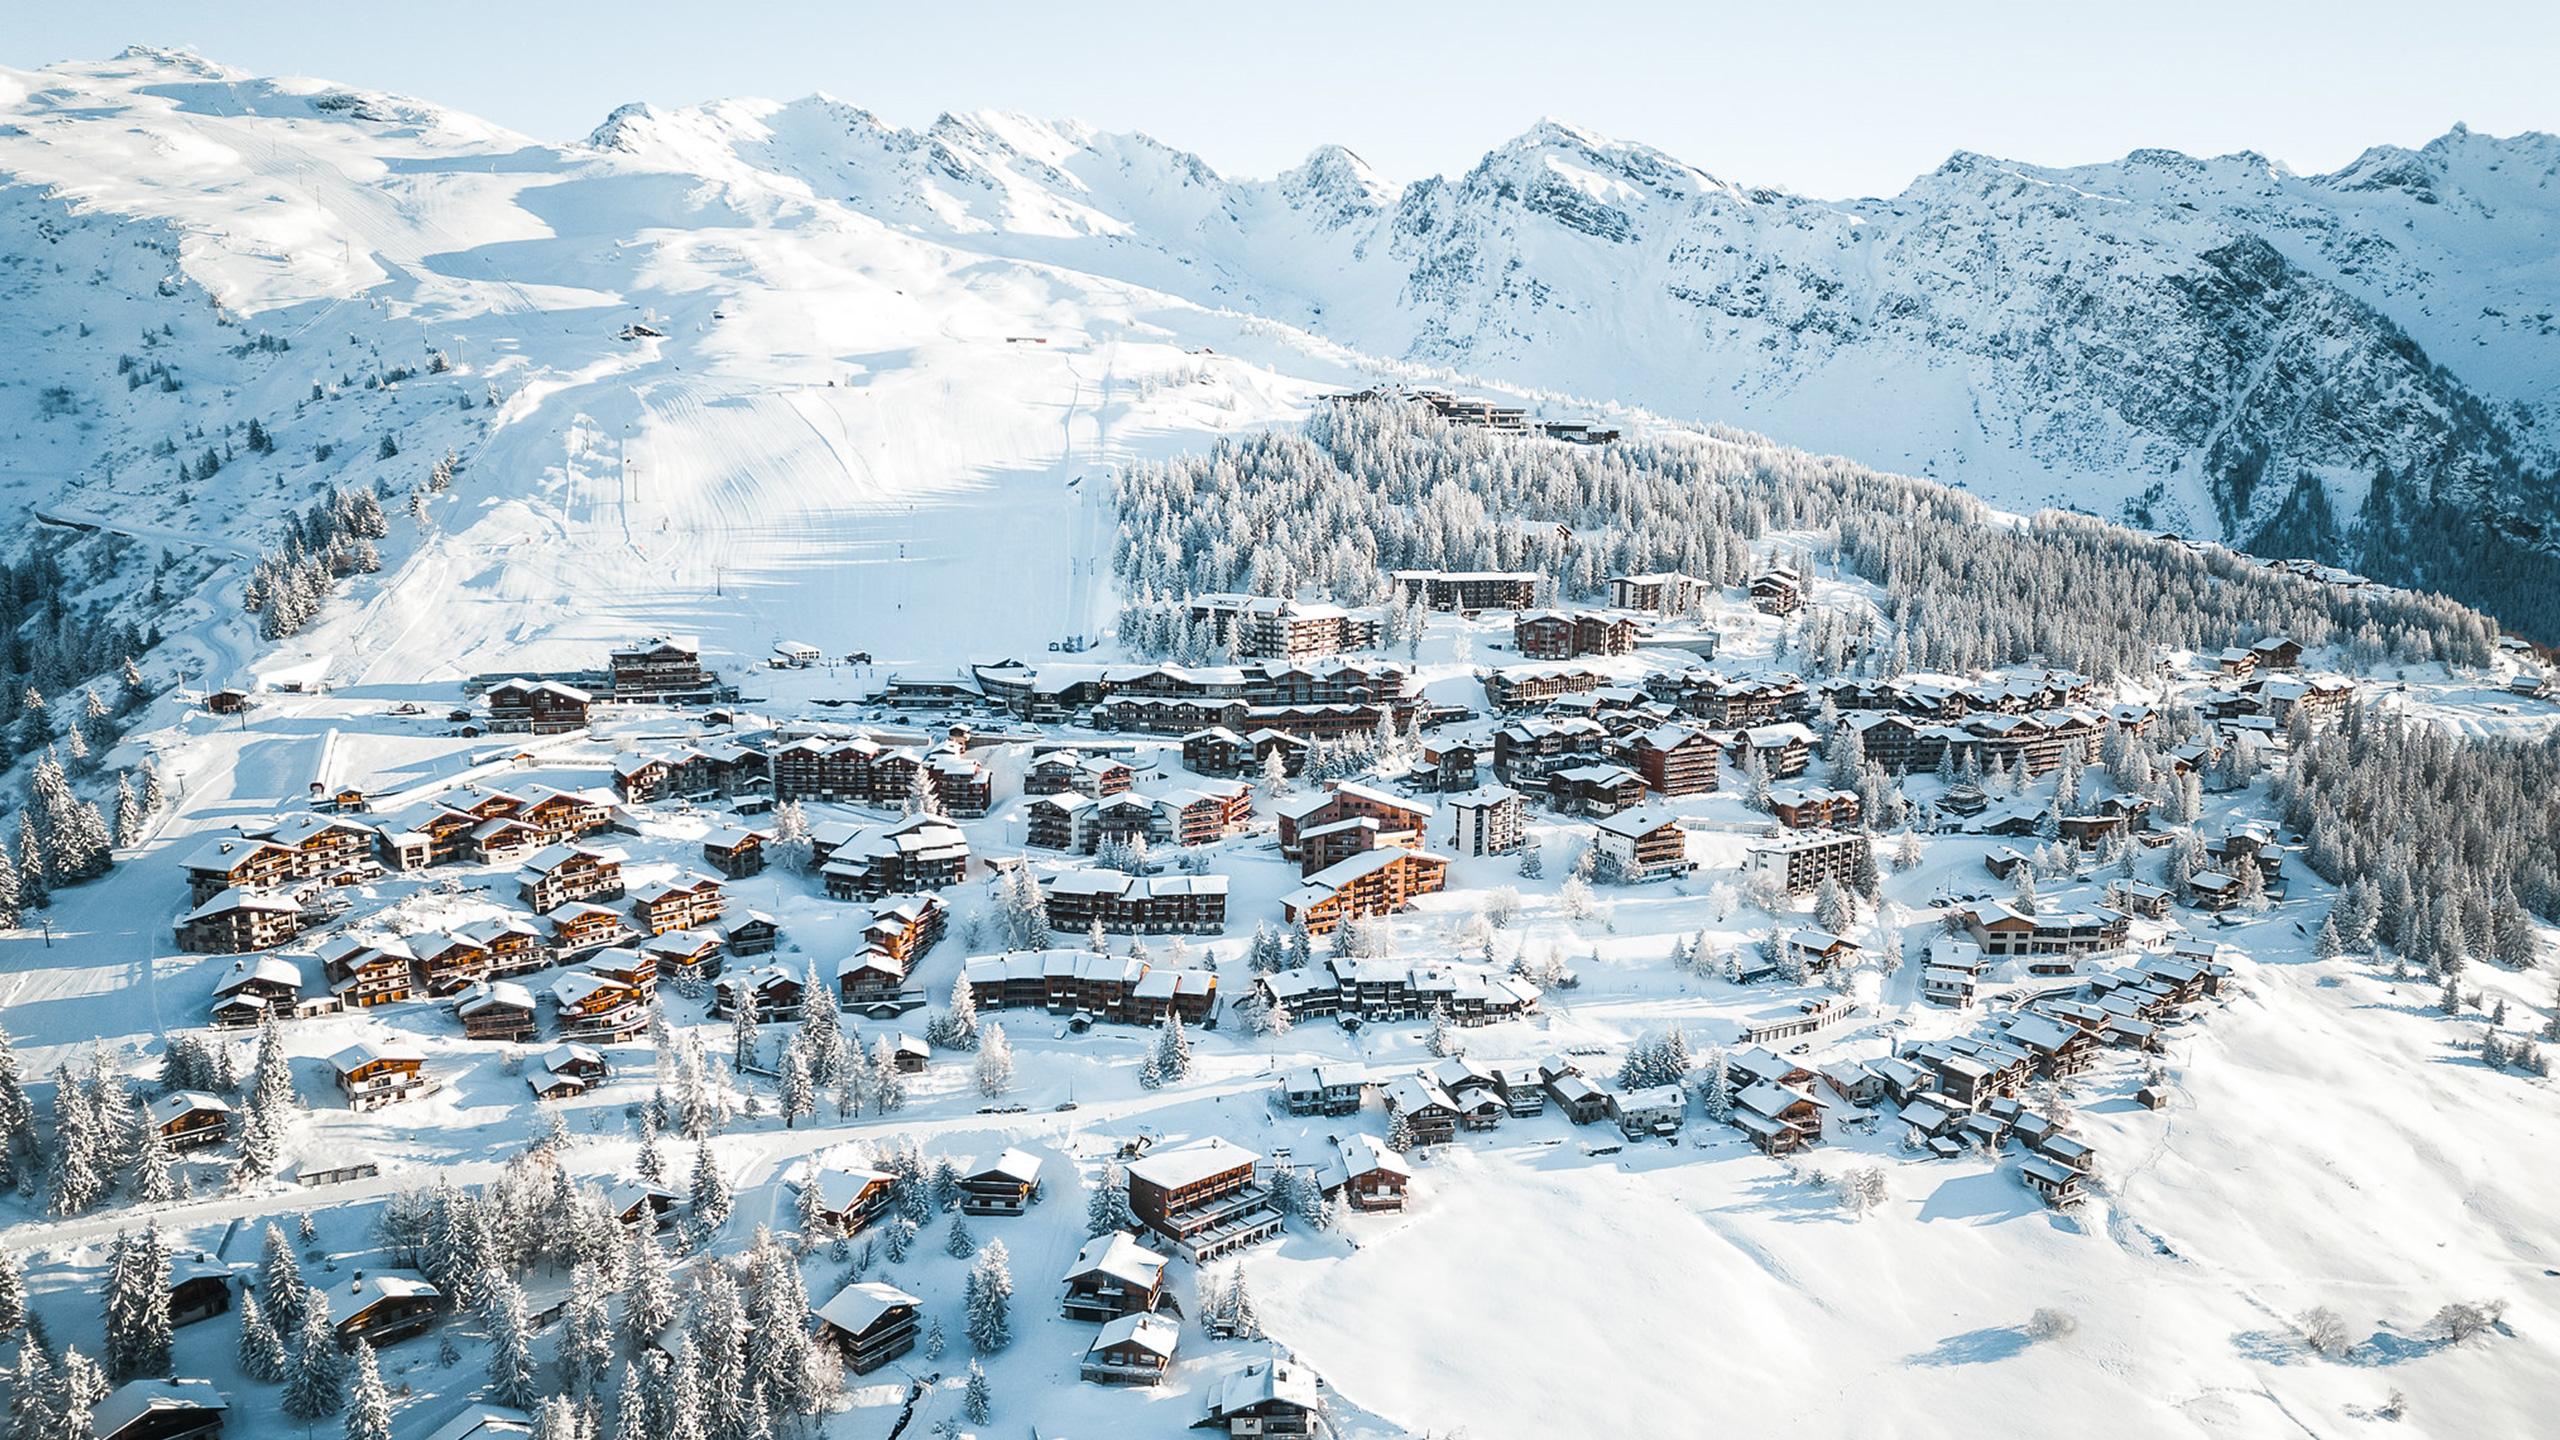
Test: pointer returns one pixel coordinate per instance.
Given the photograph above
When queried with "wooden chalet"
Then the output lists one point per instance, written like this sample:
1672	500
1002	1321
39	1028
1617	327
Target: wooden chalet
775	992
155	1409
1347	800
239	921
199	1289
1527	686
1008	1186
1779	1119
372	1074
367	972
495	1010
513	944
236	863
922	852
1267	1400
540	707
871	977
1374	1177
1674	760
257	987
871	1324
638	1203
1204	1198
1800	807
679	902
582	925
382	1307
189	1119
1113	1275
1430	1114
754	934
561	872
848	1200
1131	1350
1327	1087
598	1009
1777	590
660	667
448	963
1570	635
736	853
1595	789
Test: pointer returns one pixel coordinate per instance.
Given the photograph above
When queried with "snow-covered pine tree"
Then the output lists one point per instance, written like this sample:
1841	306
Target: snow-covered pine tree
153	1179
315	1385
262	1350
76	1180
711	1199
797	1095
369	1402
995	1061
822	1038
648	1293
1399	1132
1107	1207
280	1280
959	1022
962	1240
511	1368
976	1400
139	1332
745	1035
989	1294
586	1334
888	1087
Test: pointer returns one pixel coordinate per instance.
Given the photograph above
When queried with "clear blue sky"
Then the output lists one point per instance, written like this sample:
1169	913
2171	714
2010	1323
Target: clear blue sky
1848	98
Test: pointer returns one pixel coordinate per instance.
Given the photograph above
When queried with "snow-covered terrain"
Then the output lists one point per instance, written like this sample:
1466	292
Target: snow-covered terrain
764	373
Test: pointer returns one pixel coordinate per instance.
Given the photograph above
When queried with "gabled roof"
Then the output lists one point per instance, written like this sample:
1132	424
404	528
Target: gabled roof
858	1307
135	1402
1190	1164
1119	1256
1146	1330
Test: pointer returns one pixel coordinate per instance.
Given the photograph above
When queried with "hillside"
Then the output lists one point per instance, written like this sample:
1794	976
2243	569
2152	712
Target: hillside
851	313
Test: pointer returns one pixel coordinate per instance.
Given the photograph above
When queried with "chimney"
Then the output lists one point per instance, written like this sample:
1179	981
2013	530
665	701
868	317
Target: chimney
356	1286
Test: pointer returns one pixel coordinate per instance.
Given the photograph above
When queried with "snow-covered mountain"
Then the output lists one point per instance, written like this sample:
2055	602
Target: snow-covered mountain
2217	346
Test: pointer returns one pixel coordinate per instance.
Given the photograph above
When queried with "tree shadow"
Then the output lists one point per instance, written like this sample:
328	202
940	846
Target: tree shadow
1974	1347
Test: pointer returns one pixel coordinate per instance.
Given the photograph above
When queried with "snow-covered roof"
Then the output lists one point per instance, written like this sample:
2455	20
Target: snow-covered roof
485	1422
375	1286
366	1052
839	1187
1364	1154
1146	1330
1190	1164
1264	1383
859	1306
261	969
135	1402
186	1102
1119	1256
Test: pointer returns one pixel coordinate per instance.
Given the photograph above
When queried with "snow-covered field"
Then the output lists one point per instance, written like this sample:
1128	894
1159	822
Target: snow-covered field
844	431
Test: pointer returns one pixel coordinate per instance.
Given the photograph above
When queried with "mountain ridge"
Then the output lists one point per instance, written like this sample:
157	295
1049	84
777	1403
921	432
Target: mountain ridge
2362	367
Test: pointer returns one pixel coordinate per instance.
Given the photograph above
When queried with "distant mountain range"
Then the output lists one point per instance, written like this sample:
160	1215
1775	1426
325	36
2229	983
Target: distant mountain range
2361	367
